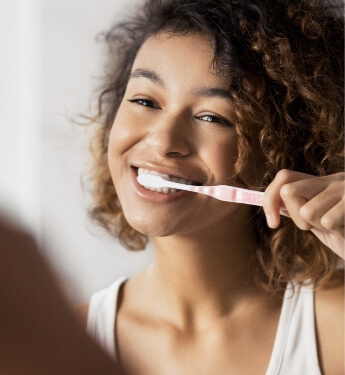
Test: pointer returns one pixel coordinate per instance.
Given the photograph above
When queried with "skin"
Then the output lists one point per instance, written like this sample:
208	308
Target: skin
206	314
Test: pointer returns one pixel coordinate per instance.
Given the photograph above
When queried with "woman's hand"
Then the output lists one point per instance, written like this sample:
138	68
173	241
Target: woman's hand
313	203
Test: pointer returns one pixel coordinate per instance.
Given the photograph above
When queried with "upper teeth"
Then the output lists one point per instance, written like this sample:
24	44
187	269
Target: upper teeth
167	177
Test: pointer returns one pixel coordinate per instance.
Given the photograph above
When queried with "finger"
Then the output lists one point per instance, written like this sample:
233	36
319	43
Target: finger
272	198
284	212
313	210
333	220
294	203
310	186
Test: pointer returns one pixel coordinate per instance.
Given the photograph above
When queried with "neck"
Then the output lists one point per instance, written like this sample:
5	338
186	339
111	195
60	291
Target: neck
203	271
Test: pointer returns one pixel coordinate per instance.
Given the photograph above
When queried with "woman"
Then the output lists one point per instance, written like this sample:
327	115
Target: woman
241	93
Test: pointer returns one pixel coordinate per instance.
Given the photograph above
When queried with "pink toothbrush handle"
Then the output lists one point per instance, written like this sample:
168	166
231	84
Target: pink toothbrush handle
231	194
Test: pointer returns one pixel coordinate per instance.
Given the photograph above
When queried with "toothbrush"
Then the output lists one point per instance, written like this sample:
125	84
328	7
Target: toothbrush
222	192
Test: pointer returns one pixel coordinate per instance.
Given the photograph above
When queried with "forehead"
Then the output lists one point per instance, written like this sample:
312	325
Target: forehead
188	57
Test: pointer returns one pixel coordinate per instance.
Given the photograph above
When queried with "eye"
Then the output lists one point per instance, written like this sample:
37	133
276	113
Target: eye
144	102
216	119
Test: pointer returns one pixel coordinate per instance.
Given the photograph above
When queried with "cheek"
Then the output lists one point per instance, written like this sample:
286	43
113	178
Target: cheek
125	133
121	139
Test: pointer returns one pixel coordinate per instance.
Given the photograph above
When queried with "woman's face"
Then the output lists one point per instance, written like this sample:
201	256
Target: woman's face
176	119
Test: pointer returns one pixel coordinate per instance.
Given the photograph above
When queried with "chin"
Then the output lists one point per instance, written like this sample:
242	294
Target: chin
151	225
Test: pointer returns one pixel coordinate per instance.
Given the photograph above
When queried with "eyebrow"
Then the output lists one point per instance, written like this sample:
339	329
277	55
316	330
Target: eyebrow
211	92
214	92
149	74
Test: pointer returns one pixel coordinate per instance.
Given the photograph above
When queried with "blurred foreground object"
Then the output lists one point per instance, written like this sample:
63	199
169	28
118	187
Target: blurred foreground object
38	332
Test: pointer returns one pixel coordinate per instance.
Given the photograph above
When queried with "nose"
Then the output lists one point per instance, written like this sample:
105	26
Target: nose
170	136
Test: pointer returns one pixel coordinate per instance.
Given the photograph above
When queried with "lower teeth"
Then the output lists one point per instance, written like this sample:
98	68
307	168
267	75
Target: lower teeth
164	190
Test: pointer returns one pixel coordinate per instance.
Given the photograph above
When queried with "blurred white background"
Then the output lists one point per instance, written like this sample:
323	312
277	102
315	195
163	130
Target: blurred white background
49	66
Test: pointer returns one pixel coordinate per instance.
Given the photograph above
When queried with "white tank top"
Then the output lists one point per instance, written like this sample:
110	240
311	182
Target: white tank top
294	351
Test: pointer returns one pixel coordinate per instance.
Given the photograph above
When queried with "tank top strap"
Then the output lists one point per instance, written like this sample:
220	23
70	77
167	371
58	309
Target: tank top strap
102	315
295	348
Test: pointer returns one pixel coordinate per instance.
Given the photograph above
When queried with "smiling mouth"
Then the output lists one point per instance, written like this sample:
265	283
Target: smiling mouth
166	190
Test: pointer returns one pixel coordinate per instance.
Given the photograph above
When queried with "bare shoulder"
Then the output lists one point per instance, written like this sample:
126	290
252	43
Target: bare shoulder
81	312
329	314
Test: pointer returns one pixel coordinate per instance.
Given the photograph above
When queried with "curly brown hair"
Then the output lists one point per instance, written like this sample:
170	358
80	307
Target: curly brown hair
285	60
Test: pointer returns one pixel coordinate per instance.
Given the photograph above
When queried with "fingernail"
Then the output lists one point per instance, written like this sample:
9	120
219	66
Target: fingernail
270	220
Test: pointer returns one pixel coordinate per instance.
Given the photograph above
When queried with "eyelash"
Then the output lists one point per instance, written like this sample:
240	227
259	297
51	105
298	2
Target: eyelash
211	118
216	119
140	101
